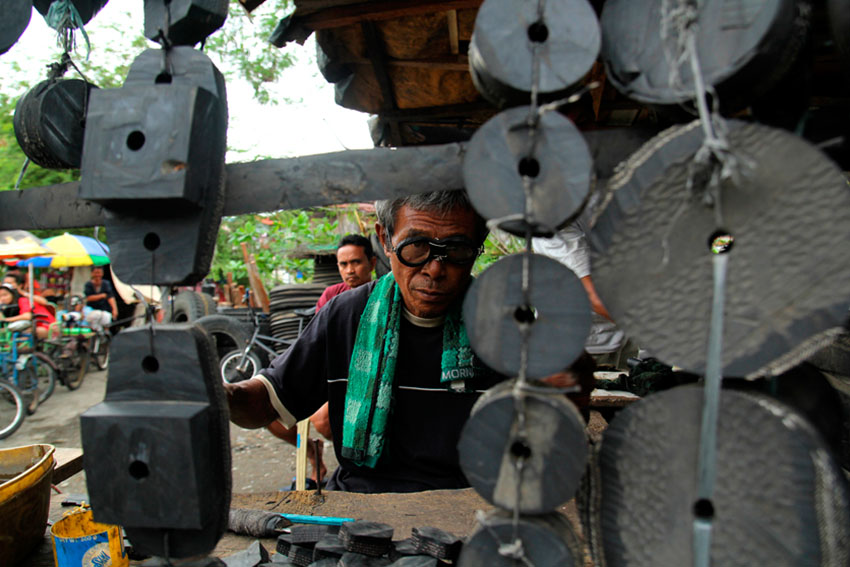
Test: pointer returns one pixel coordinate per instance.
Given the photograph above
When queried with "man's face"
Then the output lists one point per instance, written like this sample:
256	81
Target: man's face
354	267
428	290
96	275
10	280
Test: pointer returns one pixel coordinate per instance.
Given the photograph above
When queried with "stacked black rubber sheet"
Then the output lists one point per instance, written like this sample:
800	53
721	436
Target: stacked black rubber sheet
284	302
325	270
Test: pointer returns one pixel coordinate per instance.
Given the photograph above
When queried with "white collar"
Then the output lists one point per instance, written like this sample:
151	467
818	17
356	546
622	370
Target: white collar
429	322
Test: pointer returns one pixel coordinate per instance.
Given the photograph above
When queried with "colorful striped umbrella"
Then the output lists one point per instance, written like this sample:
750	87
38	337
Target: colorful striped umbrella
71	250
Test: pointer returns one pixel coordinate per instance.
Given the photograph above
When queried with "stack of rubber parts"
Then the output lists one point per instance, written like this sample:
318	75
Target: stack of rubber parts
325	270
366	544
137	168
49	122
167	380
776	482
284	300
524	447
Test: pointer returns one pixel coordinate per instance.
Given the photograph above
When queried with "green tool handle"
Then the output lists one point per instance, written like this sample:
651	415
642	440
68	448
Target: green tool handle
322	520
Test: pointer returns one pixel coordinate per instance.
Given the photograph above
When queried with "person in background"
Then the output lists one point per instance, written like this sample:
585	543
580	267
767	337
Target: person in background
9	295
355	260
606	342
19	280
100	296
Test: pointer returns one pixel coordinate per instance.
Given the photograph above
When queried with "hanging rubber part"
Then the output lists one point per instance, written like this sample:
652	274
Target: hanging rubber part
788	281
86	8
50	123
760	40
163	192
552	448
567	39
776	482
183	22
162	381
558	316
14	19
498	158
546	541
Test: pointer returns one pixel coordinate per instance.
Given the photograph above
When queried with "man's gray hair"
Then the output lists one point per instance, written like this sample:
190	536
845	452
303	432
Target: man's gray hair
439	202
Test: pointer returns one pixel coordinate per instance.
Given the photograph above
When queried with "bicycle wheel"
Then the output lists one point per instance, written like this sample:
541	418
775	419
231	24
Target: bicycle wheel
25	379
77	370
229	363
12	409
46	371
100	351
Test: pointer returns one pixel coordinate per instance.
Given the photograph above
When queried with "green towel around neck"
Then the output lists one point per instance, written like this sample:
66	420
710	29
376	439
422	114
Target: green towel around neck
368	398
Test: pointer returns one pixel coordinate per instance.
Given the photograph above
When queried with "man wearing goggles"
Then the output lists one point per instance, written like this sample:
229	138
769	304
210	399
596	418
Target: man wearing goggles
391	357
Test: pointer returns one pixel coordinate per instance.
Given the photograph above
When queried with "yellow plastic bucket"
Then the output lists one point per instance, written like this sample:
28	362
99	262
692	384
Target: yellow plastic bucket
79	541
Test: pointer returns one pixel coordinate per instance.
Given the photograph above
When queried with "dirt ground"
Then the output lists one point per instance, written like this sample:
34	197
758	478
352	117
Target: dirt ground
261	462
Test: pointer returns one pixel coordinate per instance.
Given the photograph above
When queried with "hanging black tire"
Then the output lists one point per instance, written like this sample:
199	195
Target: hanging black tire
186	307
228	333
229	366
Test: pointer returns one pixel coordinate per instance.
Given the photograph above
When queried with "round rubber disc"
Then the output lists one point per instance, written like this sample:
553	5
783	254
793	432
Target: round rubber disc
779	497
559	315
788	278
552	446
498	156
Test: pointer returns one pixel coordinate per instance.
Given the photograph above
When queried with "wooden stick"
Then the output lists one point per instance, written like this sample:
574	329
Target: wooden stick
301	455
451	16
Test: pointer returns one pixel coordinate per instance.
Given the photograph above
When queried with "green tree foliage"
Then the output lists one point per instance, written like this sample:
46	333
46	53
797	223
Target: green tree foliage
280	241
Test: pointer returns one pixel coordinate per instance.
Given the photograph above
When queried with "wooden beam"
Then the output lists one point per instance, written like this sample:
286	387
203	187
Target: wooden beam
453	63
468	110
379	11
263	186
351	176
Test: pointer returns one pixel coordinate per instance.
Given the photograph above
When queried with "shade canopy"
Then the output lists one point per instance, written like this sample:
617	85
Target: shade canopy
21	244
71	250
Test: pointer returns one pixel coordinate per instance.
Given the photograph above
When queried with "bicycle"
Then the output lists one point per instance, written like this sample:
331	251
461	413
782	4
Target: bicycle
71	354
33	372
244	363
100	348
12	408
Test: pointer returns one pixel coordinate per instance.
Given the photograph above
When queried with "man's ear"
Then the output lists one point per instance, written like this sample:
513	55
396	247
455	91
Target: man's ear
374	261
382	236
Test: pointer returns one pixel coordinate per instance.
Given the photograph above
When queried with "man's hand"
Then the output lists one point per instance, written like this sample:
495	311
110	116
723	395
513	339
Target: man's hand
249	404
579	374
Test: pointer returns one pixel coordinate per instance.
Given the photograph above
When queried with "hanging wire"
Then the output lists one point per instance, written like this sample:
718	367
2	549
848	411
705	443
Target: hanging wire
64	18
713	163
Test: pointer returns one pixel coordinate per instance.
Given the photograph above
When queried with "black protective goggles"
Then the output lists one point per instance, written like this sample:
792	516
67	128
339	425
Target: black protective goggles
419	250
